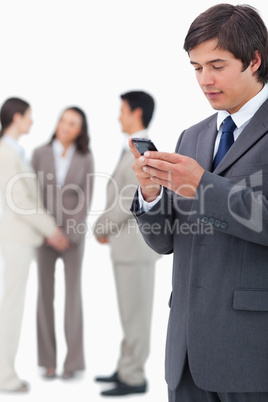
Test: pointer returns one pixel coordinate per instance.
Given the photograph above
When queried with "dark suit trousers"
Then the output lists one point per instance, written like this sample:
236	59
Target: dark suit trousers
187	391
72	259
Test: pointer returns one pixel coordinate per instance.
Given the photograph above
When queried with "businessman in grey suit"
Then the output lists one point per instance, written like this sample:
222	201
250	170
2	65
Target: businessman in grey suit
213	216
133	260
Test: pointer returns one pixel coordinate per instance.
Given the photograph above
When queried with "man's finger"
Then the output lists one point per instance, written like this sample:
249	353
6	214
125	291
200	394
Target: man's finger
164	156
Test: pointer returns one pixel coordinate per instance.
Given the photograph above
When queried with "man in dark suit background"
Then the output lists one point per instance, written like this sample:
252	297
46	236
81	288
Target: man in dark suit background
213	216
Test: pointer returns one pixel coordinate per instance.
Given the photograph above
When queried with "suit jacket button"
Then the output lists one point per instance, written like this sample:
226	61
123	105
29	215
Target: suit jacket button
211	221
204	219
217	223
223	225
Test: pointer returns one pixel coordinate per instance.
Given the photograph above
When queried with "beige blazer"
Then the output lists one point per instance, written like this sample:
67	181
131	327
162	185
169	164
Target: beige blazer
117	222
23	217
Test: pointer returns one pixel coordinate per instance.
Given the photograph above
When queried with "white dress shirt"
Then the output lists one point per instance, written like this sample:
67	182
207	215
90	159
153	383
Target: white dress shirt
62	160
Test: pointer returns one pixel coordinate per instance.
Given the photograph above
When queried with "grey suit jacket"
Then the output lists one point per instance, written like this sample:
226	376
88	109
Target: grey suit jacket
219	302
117	222
69	203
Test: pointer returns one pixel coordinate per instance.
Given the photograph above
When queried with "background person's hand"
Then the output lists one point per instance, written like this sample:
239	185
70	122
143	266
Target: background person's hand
58	241
102	239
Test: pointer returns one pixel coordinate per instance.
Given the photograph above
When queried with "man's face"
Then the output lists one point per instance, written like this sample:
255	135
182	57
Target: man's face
221	78
127	117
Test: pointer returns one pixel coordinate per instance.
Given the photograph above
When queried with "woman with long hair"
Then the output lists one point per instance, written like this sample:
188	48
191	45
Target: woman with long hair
65	171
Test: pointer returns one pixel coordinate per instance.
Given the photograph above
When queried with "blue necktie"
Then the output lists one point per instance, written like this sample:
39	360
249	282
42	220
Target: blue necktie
226	141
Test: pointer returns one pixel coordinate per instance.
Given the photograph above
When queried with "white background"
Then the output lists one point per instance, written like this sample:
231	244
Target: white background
57	53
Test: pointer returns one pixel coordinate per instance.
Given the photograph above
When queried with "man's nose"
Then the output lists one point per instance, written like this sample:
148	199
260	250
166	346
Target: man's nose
206	78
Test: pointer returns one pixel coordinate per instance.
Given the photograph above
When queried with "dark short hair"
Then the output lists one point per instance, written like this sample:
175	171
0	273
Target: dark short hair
83	139
142	100
238	29
9	108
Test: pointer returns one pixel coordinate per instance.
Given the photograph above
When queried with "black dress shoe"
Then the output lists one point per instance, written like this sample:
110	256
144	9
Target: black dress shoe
125	389
111	378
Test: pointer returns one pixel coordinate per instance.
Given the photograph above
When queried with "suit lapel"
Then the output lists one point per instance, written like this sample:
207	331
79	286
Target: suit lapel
51	164
252	133
205	145
73	168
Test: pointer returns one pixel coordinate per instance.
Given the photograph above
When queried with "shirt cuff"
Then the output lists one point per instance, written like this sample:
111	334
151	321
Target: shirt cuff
146	206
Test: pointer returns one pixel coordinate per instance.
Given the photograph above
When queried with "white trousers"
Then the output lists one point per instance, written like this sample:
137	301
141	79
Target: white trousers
16	261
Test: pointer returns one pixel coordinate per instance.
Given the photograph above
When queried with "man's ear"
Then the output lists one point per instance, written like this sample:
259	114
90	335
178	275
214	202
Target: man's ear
256	62
138	113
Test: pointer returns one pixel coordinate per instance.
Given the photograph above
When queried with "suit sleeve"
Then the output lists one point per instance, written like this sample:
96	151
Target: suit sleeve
34	161
154	223
117	211
234	208
24	200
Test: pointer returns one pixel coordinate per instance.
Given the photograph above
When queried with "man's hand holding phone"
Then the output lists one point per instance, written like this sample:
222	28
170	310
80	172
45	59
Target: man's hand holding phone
150	191
176	172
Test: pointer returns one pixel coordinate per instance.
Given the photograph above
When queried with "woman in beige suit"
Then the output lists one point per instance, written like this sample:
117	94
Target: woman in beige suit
24	225
65	171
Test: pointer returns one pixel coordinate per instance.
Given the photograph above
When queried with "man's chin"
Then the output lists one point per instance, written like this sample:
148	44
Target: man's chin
216	105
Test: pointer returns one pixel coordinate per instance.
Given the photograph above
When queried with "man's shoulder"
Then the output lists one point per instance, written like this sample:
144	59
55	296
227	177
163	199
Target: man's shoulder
208	121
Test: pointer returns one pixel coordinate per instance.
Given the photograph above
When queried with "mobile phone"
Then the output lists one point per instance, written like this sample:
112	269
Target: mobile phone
143	145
